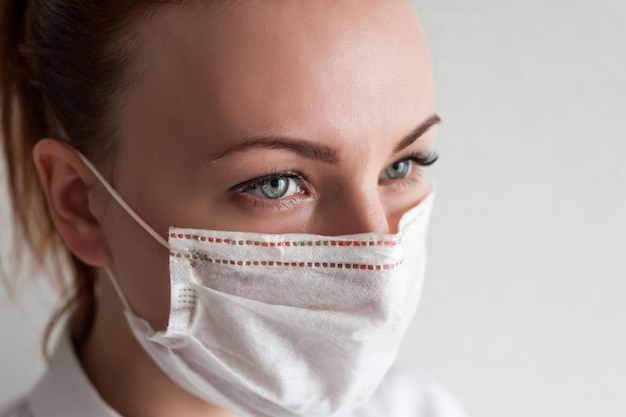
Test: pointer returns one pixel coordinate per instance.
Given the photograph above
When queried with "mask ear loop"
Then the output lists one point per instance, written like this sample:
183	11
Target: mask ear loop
118	289
132	214
123	203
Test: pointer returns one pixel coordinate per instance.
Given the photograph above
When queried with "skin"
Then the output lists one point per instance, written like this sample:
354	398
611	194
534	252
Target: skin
352	76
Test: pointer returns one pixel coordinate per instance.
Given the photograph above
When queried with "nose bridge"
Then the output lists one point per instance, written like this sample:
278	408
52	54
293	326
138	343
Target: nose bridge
363	212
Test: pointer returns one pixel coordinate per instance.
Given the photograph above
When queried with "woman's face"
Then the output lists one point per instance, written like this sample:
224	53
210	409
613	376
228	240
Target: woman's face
267	116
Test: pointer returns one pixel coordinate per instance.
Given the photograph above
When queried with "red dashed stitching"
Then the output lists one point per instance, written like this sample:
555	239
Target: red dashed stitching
287	243
200	258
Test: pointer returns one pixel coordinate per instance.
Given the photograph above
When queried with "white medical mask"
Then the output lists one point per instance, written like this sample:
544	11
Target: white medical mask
285	325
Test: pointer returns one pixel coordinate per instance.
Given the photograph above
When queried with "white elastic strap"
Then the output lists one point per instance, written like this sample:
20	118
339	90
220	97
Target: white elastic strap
123	203
118	289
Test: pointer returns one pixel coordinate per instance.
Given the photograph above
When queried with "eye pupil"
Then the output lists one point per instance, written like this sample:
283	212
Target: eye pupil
398	170
275	187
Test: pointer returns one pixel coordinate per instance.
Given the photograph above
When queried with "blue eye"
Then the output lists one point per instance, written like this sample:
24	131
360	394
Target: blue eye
275	186
399	170
403	168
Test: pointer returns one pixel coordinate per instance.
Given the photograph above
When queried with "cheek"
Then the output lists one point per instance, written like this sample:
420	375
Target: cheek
398	202
140	265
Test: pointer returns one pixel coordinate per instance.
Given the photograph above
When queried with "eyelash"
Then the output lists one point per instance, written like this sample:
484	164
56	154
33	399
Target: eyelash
422	159
419	158
259	181
281	204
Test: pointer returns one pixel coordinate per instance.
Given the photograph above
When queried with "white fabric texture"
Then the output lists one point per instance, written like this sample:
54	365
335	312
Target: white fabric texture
65	391
288	325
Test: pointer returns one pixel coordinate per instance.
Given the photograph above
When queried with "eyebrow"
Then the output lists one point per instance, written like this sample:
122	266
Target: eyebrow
417	133
308	150
315	151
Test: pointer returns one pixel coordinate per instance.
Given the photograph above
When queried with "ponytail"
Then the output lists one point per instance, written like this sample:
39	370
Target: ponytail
31	66
23	123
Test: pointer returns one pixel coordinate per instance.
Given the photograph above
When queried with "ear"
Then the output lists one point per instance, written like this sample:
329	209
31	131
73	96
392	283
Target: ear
70	190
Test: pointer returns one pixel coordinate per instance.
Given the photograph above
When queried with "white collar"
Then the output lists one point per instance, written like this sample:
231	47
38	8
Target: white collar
65	390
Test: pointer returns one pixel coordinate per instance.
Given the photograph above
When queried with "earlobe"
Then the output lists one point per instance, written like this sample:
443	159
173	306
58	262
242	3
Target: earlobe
70	192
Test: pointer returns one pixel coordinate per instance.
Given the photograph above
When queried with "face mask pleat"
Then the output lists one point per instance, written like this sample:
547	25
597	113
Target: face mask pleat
292	325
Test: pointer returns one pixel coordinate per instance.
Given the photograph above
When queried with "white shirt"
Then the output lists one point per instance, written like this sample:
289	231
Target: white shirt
65	391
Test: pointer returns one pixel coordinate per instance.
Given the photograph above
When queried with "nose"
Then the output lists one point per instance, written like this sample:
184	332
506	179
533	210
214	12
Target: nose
361	212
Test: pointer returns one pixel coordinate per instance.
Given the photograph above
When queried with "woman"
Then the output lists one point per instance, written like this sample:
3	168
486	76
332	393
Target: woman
275	150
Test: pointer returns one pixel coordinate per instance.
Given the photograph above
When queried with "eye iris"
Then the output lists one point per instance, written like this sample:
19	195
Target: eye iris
399	169
275	187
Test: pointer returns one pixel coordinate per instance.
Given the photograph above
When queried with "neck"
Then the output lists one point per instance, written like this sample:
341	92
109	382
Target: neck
125	376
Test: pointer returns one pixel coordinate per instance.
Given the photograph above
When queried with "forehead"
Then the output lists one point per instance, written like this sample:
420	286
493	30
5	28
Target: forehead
324	68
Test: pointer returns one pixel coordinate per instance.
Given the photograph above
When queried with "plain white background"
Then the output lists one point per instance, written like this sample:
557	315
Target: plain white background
523	311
